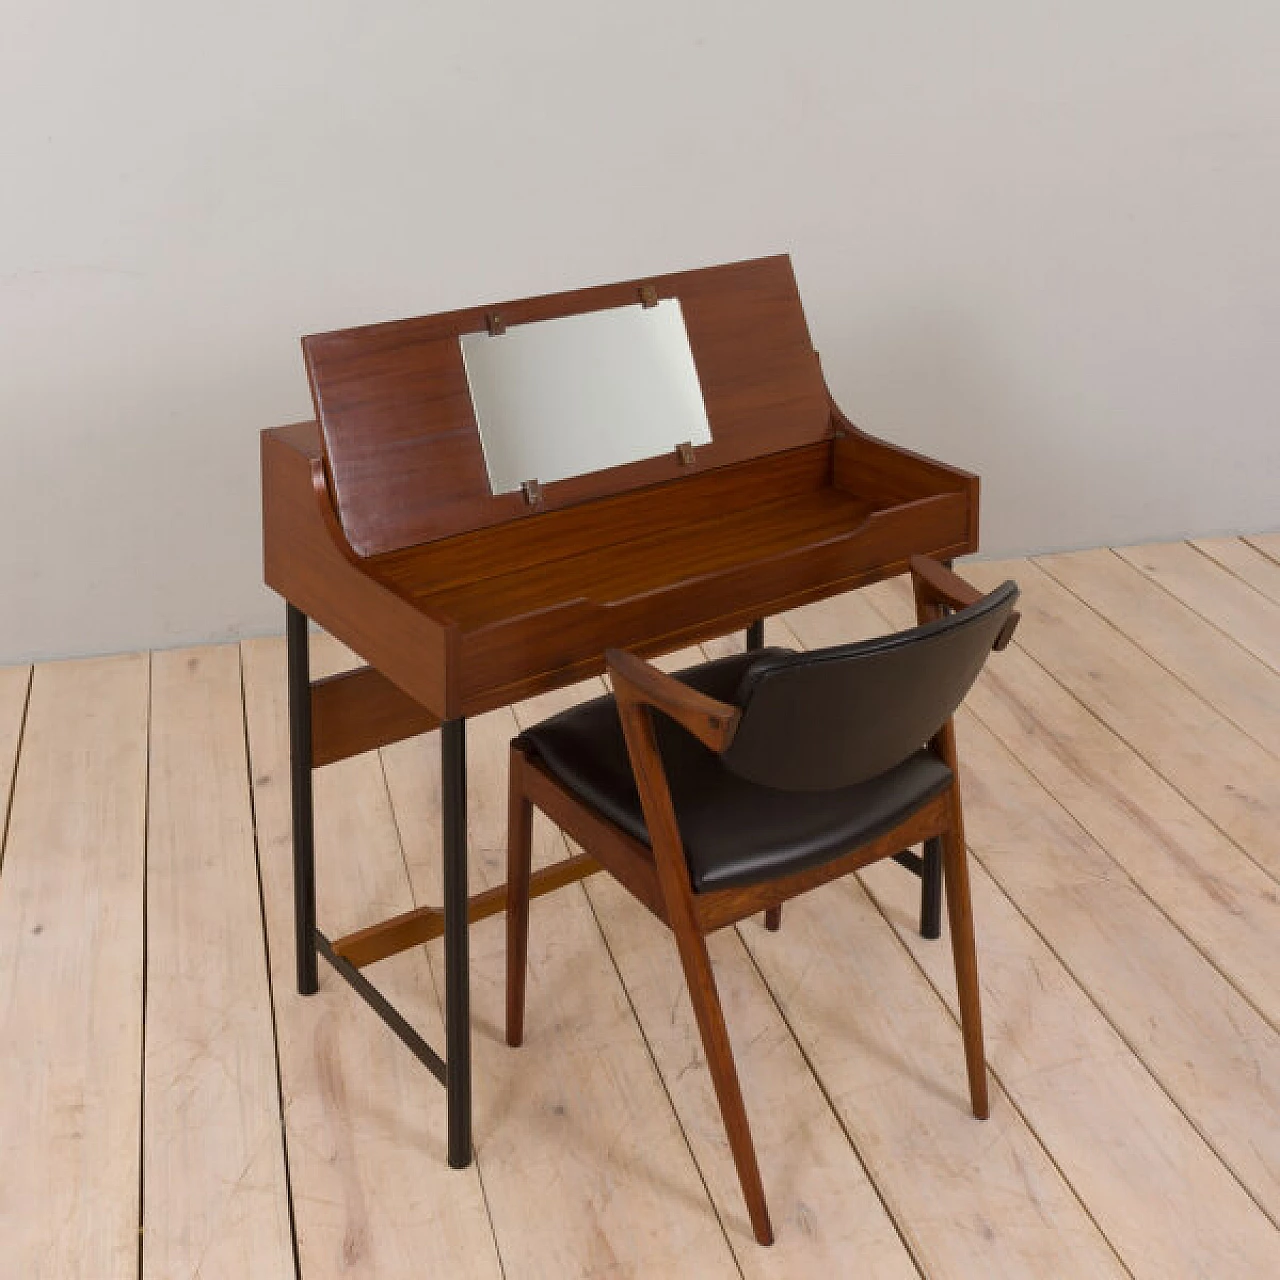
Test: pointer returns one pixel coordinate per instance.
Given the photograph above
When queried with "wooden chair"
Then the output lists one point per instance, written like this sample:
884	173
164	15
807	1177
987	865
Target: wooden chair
766	774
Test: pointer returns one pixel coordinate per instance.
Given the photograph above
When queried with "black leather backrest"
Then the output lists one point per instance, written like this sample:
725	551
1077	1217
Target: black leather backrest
833	717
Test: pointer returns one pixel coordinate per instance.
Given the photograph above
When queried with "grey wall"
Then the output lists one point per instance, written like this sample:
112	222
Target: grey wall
1037	240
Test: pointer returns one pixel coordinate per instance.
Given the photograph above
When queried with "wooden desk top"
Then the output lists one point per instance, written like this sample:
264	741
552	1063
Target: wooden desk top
472	622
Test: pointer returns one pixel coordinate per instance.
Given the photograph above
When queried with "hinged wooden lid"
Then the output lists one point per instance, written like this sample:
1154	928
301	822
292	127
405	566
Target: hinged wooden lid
400	437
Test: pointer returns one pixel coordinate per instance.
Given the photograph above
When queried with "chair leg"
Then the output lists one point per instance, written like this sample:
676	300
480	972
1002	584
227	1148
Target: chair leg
964	952
519	858
724	1074
773	918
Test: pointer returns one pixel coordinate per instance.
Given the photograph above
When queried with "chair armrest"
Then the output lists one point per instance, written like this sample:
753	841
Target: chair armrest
936	586
635	681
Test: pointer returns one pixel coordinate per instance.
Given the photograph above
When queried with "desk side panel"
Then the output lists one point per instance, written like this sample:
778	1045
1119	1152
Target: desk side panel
882	472
305	560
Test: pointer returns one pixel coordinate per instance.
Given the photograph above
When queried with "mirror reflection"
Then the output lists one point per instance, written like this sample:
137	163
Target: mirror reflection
561	398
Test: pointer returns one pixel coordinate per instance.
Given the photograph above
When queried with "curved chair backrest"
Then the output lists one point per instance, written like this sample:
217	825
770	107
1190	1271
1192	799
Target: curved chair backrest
834	717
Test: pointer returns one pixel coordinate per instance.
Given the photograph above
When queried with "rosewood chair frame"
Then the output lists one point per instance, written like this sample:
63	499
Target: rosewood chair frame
659	875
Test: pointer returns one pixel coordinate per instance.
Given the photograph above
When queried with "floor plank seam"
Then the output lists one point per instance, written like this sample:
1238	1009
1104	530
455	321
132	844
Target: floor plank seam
266	955
1133	882
1124	1039
1205	617
142	1039
1169	671
1153	766
1250	539
1227	569
12	788
1218	567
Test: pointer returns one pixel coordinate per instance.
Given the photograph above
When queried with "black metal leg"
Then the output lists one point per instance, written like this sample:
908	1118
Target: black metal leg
755	635
455	1070
304	858
931	889
457	1012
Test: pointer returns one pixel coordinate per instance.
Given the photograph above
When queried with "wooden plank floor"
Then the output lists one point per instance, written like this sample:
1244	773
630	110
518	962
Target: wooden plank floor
170	1108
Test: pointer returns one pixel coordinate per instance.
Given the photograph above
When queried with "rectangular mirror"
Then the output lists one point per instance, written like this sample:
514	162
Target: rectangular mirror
561	398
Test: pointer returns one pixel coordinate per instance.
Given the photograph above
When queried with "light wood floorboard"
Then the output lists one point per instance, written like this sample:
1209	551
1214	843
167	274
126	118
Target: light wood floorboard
214	1194
1222	771
1122	781
1248	563
1230	603
1228	677
71	975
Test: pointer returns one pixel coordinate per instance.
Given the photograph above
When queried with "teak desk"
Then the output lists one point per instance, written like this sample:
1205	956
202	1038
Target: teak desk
379	524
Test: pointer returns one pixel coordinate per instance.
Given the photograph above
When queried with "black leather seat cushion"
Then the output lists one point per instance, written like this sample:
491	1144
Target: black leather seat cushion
735	832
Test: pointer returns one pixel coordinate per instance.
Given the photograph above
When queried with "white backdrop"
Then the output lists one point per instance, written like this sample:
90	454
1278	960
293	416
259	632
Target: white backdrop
1038	240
